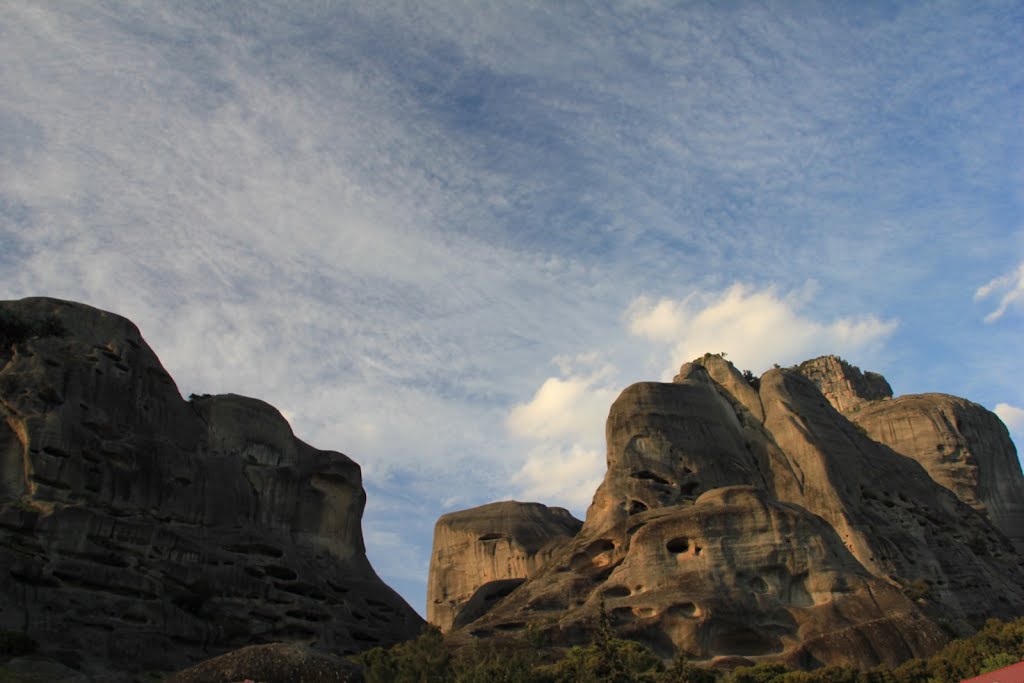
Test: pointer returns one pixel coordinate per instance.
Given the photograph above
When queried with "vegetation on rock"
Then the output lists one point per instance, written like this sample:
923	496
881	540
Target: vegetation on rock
609	659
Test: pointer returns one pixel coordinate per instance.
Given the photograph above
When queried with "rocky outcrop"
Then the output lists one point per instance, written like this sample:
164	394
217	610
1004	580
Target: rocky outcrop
898	522
140	531
272	663
482	554
844	385
963	446
760	523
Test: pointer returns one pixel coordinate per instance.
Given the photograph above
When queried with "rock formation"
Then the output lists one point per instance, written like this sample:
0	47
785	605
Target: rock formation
844	385
963	446
482	554
761	523
140	531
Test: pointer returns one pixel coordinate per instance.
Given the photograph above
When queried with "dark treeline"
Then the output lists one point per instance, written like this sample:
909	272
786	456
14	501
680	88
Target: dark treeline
606	658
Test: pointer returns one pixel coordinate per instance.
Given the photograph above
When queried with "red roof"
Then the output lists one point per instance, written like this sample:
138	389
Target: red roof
1010	674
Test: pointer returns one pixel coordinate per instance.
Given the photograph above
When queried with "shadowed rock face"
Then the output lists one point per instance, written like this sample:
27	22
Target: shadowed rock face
963	446
762	524
482	554
895	519
141	531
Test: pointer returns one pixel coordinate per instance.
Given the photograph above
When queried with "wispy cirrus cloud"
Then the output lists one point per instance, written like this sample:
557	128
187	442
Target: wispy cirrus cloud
388	218
1008	288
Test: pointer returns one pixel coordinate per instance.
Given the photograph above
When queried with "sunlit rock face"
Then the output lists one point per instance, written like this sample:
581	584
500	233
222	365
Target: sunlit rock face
142	531
482	554
760	523
844	385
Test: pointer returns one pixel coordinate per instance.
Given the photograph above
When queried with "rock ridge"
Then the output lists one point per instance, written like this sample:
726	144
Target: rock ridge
141	531
763	521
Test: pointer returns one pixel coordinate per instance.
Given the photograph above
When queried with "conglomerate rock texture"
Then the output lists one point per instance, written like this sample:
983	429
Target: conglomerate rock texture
140	531
762	524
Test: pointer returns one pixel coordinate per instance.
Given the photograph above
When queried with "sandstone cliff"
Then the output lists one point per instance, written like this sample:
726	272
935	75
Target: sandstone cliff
482	554
763	524
142	531
963	446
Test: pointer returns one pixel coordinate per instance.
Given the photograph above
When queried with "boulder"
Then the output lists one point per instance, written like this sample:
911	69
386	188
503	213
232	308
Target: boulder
482	554
141	531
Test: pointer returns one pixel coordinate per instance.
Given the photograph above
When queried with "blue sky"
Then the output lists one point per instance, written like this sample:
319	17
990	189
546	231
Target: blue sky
442	236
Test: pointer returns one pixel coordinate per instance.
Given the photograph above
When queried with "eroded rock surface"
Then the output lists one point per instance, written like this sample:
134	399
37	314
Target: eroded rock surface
963	446
760	523
484	553
844	385
140	531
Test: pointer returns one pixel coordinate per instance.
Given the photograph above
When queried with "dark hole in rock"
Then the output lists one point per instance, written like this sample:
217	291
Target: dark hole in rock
254	549
55	452
759	584
648	476
491	537
678	545
682	609
301	588
636	527
34	578
617	592
689	488
636	507
279	572
697	549
52	483
511	626
547	604
306	615
605	572
742	640
622	614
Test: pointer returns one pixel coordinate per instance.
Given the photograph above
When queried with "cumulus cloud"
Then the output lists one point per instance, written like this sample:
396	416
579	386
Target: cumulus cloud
564	422
1010	290
756	327
572	407
1012	417
561	476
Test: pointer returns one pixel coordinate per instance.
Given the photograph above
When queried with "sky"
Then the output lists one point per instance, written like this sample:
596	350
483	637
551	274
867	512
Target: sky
442	236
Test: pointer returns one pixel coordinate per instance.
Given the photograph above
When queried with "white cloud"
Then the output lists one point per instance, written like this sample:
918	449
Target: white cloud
1012	417
564	420
571	407
566	477
1009	287
754	327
